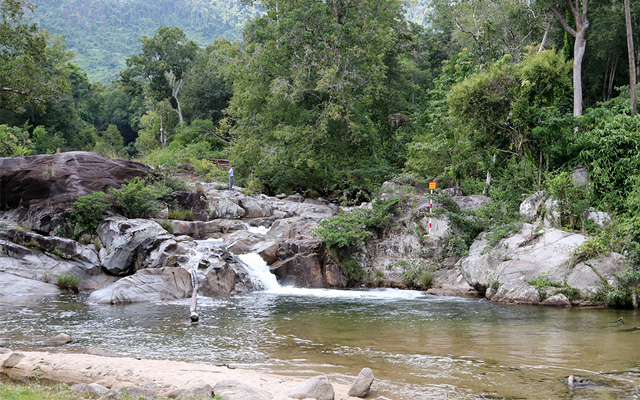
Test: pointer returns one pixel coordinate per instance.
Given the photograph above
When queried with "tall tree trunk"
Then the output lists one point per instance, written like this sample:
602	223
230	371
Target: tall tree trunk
545	37
579	47
632	63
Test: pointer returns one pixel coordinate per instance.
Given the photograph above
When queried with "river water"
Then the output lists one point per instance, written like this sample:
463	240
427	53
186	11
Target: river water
419	346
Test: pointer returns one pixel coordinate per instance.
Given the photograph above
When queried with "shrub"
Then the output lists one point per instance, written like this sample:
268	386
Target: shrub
425	280
88	211
138	198
574	200
68	282
354	227
415	273
352	269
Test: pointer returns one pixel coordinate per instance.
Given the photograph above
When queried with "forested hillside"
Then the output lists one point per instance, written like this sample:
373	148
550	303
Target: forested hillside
103	33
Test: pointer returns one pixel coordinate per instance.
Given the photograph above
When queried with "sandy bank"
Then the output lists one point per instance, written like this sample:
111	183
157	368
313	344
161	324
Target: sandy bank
117	373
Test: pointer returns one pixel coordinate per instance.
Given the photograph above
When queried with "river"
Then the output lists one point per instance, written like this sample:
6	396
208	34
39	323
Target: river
419	346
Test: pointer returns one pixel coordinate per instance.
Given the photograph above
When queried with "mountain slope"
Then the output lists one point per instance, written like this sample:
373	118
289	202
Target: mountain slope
104	33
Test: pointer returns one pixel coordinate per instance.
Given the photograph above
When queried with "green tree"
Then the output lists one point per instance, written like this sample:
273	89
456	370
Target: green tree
29	71
110	143
161	68
44	143
314	85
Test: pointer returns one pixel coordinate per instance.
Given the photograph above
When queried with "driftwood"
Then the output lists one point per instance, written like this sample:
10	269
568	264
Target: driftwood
194	298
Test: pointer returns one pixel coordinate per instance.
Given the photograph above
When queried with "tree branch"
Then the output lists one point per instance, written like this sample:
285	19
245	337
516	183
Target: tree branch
12	90
565	25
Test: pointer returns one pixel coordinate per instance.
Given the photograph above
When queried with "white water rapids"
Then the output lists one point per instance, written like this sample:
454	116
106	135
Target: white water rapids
260	274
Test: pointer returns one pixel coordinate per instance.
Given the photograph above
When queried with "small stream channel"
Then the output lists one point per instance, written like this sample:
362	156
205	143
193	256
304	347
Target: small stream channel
419	346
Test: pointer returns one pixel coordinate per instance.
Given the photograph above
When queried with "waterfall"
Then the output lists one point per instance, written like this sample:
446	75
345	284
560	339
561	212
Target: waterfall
260	274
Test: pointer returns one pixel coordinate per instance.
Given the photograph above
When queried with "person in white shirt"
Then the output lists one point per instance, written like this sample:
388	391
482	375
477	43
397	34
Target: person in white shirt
231	178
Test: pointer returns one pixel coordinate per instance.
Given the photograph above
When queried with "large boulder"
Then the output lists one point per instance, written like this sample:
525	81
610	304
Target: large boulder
306	263
160	284
255	208
39	189
194	202
225	208
506	272
530	207
126	242
472	202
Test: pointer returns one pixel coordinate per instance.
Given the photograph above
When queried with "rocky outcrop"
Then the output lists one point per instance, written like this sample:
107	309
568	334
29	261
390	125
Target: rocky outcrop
30	263
411	246
159	284
39	189
515	269
126	242
306	263
194	202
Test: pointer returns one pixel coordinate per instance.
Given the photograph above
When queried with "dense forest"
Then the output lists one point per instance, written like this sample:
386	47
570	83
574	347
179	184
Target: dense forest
102	34
332	98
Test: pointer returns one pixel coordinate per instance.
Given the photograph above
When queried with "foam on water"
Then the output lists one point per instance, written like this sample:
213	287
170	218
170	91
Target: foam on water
260	274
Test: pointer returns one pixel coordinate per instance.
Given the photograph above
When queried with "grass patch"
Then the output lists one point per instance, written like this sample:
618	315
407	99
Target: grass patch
16	391
542	282
182	215
416	274
166	225
68	282
10	390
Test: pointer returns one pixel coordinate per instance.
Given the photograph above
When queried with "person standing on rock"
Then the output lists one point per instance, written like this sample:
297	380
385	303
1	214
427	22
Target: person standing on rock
231	178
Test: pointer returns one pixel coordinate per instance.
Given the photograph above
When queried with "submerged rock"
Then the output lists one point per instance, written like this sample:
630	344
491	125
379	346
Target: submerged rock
59	340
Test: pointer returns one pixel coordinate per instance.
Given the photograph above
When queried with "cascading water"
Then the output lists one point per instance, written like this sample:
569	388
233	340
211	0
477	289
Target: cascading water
260	274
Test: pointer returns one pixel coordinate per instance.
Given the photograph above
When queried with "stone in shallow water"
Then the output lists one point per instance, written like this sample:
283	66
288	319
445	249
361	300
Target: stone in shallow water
59	340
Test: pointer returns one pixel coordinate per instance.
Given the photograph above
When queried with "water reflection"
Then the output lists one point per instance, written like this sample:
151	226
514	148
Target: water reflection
420	347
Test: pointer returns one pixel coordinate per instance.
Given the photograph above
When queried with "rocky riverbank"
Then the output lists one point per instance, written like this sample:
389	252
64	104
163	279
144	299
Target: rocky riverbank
133	260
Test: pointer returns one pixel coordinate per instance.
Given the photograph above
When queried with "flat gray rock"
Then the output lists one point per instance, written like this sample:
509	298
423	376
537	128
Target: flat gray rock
232	390
318	388
13	360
